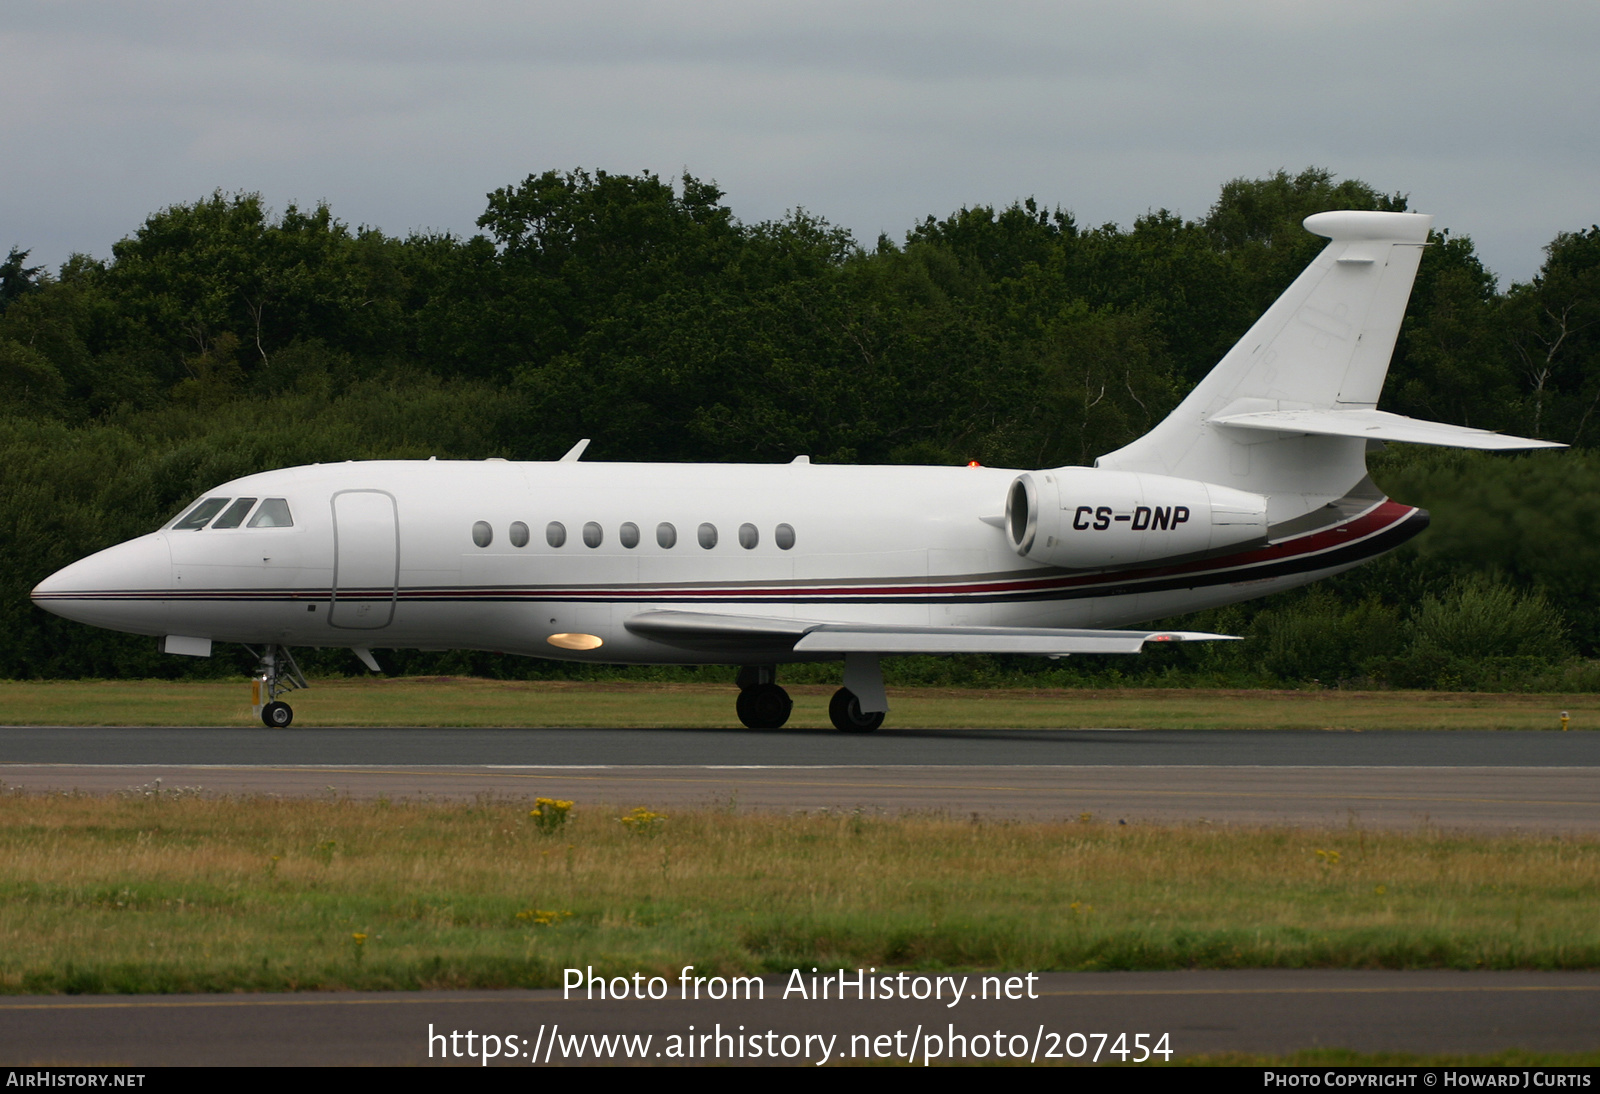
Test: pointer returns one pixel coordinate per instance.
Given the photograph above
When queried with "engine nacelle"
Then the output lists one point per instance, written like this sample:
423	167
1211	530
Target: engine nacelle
1081	518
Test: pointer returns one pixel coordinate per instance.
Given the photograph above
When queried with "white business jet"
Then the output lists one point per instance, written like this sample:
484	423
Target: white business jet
1256	483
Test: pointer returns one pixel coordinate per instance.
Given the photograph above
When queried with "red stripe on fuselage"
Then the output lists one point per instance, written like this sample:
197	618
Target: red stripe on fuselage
1381	517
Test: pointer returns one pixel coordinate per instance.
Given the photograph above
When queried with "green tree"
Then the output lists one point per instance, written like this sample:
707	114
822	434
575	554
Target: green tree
577	249
17	279
1552	322
1451	362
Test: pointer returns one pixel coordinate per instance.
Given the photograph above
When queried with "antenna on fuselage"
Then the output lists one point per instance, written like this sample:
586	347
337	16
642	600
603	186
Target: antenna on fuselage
574	452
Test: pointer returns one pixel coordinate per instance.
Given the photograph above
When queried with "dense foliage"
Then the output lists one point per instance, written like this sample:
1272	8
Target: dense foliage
221	339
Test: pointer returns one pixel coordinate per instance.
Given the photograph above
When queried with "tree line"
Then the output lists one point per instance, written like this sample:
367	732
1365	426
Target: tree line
221	338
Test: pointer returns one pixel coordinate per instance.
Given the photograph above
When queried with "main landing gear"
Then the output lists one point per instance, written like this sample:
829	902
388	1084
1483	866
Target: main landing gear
762	703
275	672
845	711
858	707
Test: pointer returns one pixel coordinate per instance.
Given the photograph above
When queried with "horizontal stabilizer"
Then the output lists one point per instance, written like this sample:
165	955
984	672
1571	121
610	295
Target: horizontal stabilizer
1377	425
803	636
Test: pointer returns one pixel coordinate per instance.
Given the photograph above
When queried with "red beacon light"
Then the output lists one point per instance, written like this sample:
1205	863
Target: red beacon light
974	463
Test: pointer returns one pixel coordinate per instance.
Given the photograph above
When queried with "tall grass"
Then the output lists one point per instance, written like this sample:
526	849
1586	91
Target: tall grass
163	892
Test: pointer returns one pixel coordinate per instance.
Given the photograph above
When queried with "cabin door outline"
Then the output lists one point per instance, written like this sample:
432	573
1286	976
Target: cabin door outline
366	559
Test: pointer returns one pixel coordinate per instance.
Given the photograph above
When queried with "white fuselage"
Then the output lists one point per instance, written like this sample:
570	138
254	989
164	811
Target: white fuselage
383	554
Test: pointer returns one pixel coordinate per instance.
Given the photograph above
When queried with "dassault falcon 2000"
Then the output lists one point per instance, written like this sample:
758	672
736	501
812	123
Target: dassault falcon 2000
1256	483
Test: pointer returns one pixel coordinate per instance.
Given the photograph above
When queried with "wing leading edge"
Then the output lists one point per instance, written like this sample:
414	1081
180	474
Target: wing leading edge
705	629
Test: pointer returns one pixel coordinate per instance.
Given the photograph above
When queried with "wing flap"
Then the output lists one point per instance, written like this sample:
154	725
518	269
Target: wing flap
811	636
1047	641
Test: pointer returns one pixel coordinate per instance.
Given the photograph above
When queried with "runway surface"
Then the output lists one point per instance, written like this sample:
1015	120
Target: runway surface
1546	782
947	747
1260	1011
1551	800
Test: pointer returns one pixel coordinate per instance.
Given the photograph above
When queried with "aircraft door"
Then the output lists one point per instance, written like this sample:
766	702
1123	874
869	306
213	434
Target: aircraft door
366	559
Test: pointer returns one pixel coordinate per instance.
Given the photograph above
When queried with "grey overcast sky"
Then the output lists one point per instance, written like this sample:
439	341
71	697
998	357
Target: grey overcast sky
871	113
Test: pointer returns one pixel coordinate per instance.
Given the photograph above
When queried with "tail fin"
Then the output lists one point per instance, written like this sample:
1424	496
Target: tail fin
1324	345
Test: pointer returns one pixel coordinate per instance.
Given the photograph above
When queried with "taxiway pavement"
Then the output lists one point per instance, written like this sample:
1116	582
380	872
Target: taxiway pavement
1268	1011
1547	782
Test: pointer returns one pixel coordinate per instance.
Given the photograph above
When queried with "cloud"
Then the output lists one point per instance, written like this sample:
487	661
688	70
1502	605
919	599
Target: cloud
872	114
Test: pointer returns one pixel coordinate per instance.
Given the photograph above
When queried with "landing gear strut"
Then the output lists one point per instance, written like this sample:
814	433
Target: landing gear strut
275	672
762	703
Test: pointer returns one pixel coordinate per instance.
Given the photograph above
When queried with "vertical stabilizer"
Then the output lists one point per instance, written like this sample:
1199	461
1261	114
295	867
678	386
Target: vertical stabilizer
1324	344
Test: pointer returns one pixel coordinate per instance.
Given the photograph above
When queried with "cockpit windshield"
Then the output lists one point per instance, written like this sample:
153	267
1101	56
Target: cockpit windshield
272	513
234	515
200	515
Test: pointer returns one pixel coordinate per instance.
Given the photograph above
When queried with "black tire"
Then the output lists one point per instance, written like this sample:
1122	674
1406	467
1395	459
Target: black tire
845	711
766	706
277	715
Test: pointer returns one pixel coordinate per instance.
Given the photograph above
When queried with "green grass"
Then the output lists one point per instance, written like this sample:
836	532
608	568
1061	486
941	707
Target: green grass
165	893
474	702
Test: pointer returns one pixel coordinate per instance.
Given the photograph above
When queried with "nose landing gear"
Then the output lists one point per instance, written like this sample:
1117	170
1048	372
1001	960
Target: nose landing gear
762	703
275	672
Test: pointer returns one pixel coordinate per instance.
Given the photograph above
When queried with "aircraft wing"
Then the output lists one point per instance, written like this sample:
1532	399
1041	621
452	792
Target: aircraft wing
754	633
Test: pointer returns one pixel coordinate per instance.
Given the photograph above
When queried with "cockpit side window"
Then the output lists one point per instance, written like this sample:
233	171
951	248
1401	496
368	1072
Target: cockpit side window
274	513
233	516
200	515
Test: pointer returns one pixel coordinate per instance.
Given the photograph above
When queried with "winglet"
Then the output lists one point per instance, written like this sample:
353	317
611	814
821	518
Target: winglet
574	452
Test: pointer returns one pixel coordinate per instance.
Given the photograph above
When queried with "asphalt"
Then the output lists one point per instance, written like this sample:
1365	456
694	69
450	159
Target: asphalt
1072	1018
1485	781
936	747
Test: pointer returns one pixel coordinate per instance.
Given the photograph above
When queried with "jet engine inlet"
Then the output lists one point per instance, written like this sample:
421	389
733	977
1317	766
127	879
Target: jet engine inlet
1022	514
1084	518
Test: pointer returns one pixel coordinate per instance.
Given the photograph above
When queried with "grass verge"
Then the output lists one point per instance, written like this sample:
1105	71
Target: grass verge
163	892
449	701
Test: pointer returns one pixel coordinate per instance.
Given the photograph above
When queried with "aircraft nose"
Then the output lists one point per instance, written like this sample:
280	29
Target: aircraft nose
107	588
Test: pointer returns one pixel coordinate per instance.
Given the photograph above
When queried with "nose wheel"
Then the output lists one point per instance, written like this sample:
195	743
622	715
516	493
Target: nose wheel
276	673
762	704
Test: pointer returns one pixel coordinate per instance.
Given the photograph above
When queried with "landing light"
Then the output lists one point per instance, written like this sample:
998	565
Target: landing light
576	641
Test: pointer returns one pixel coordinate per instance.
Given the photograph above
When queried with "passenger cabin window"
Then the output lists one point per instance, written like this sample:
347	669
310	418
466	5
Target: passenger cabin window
519	534
666	535
628	535
200	515
748	536
784	537
592	535
708	536
555	533
233	515
482	534
274	513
